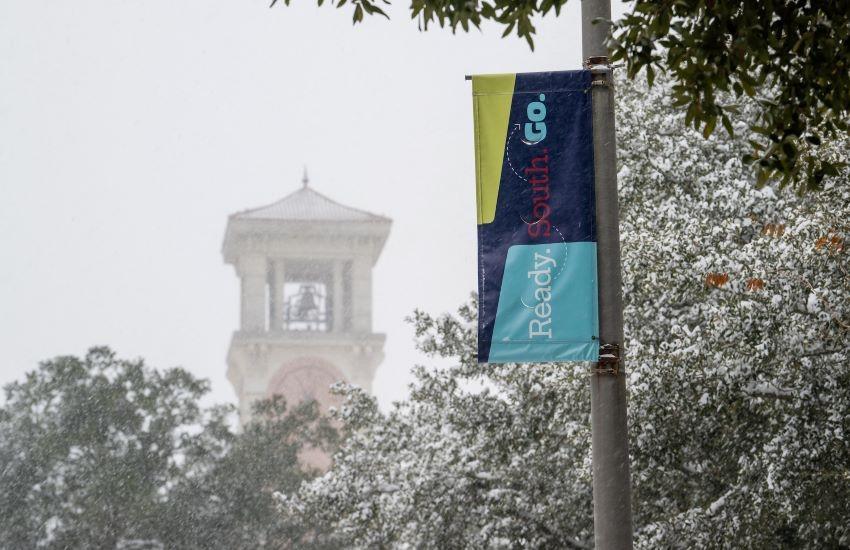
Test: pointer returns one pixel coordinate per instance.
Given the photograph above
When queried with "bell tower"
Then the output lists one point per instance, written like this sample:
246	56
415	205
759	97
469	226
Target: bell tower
305	269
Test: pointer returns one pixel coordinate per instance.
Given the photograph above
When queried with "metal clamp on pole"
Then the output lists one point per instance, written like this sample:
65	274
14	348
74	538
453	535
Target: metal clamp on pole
600	70
609	359
597	63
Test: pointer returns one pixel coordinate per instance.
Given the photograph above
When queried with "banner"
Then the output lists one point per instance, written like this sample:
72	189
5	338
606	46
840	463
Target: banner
536	218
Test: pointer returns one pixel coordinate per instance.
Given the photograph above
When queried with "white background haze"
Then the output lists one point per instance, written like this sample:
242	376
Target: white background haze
129	131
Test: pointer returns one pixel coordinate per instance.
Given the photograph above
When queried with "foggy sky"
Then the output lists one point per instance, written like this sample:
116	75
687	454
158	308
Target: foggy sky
130	130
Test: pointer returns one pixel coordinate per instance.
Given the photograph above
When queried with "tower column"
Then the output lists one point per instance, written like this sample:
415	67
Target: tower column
276	298
339	314
361	290
252	272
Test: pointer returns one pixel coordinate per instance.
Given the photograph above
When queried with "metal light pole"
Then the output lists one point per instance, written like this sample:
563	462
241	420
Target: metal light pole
612	512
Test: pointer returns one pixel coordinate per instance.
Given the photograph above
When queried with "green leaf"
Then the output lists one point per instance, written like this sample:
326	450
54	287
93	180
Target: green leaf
709	127
761	177
681	100
727	124
690	114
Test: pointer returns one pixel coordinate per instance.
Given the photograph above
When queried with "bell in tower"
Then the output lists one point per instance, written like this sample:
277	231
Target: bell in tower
305	268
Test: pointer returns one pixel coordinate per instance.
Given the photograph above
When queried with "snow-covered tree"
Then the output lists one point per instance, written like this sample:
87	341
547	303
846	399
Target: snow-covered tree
460	467
101	452
89	447
226	501
737	320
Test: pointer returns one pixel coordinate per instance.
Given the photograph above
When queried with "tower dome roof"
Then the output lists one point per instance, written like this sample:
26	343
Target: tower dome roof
308	204
305	216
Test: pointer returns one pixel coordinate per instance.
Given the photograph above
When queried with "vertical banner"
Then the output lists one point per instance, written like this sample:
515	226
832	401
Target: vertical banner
536	218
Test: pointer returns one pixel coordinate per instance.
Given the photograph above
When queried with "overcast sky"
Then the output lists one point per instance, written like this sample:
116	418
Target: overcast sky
129	130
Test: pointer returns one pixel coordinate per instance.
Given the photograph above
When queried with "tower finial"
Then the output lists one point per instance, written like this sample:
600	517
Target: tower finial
305	179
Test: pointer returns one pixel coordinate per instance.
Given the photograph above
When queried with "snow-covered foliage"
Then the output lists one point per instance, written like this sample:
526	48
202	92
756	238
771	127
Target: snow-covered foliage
100	452
456	467
737	315
89	448
737	319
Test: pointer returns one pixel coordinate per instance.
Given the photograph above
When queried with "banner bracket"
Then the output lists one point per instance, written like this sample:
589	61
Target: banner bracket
600	69
609	359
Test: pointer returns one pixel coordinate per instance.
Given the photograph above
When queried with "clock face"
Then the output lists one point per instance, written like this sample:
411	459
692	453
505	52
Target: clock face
305	379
